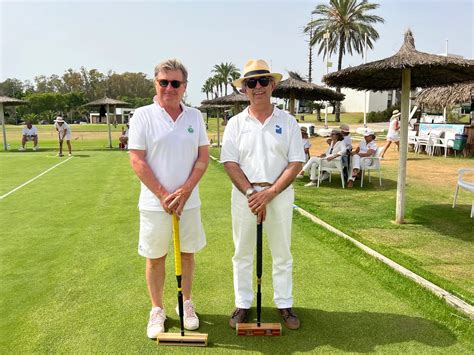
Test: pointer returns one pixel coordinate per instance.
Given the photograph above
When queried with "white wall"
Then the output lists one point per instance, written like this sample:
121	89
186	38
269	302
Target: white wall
354	101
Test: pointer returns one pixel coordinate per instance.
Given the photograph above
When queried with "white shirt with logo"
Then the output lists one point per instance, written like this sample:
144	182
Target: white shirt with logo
171	149
33	131
263	151
364	146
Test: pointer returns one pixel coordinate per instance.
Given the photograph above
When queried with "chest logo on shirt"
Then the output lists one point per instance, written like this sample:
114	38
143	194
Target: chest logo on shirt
190	129
278	129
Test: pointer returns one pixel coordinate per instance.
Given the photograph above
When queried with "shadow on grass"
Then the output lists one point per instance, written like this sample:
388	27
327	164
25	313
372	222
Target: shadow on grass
346	331
387	184
446	220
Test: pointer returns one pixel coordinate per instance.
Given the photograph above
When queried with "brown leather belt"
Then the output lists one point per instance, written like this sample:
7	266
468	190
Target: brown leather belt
261	184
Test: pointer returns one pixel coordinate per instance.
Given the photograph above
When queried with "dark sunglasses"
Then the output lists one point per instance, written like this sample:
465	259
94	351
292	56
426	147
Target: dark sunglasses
174	83
252	83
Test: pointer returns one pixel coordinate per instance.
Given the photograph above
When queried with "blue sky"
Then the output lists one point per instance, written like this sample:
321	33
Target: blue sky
48	37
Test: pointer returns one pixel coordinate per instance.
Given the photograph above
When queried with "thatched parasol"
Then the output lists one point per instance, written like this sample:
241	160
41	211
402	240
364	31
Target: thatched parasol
7	101
440	97
107	102
293	88
406	69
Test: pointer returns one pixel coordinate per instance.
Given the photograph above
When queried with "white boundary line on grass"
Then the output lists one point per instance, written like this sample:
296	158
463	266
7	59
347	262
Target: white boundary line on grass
449	298
33	179
438	291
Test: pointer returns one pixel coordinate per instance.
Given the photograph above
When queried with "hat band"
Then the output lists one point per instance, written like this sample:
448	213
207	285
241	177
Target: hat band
256	72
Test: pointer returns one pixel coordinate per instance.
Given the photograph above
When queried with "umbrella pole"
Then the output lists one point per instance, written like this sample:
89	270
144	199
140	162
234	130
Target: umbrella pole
292	103
108	126
2	117
402	165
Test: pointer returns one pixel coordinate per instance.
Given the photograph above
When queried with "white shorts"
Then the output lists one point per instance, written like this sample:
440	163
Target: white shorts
30	138
156	232
67	136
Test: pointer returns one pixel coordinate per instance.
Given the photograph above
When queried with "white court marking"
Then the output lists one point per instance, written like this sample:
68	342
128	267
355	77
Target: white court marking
33	179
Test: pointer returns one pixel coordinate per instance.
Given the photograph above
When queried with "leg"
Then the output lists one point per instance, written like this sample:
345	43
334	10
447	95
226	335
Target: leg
244	230
397	143
23	142
155	279
35	141
60	147
187	265
278	229
385	148
69	146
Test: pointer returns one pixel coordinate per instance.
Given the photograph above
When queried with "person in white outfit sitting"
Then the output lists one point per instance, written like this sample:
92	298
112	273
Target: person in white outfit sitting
336	149
29	133
393	132
367	148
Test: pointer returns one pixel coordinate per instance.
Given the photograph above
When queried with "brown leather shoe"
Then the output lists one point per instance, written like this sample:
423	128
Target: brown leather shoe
290	318
239	315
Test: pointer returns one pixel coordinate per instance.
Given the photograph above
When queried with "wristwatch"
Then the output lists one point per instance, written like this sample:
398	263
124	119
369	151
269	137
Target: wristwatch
249	192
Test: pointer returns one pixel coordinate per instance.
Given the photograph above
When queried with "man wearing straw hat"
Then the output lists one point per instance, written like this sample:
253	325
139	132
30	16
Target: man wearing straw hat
262	153
64	133
169	153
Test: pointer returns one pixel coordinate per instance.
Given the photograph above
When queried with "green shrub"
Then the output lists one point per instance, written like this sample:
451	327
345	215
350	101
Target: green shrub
382	116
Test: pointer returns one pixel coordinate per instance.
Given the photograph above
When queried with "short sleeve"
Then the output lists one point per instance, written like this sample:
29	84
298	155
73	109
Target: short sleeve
296	147
229	150
203	140
137	131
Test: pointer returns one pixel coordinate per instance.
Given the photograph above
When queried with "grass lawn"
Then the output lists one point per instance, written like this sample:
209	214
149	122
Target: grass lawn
72	281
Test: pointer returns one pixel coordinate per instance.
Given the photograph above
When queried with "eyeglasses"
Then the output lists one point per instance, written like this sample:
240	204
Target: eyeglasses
252	83
174	83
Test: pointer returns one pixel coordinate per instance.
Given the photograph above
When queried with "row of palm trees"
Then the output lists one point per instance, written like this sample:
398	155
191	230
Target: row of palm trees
217	84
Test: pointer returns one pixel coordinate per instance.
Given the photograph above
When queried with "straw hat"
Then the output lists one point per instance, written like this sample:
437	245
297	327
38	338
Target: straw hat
304	130
396	114
345	128
256	68
59	119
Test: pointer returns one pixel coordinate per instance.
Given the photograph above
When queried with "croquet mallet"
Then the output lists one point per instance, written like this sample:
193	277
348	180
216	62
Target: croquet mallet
259	329
180	339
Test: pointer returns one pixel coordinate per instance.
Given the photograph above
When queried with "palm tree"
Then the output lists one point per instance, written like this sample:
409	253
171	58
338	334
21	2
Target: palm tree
226	72
346	22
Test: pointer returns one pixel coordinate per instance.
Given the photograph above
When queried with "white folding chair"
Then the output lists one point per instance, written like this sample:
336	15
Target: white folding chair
421	140
412	138
467	185
375	165
323	166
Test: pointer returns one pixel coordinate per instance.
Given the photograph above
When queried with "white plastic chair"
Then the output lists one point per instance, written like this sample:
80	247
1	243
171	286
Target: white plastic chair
467	185
323	166
421	140
412	137
433	139
374	166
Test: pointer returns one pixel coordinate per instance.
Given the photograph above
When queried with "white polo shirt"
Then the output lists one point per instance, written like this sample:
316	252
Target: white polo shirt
364	146
33	131
263	151
171	149
62	129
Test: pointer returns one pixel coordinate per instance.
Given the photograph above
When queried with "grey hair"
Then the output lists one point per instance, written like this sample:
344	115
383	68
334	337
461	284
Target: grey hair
171	65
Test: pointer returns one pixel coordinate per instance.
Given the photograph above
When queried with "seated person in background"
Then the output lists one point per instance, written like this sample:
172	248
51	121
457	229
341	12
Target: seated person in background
30	133
336	149
345	130
124	138
367	148
306	143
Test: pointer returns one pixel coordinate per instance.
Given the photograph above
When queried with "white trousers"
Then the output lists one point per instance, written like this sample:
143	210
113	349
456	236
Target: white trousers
277	226
356	161
312	166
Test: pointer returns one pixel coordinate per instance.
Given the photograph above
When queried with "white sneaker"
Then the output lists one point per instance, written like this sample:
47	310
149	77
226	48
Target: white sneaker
35	148
299	176
156	324
311	184
69	155
21	149
191	320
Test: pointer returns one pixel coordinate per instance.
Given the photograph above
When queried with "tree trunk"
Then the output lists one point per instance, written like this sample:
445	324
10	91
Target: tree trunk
339	66
318	114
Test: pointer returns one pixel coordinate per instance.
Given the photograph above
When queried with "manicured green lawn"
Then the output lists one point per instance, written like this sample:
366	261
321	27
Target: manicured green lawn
71	279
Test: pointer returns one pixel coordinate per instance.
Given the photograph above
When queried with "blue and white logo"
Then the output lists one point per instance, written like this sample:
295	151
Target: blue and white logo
278	129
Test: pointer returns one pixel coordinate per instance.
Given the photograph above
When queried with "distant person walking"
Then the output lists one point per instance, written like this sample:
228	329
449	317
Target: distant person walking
64	133
29	133
169	153
393	134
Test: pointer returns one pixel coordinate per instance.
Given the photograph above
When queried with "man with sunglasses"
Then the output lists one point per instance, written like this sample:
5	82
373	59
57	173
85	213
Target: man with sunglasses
169	153
262	153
